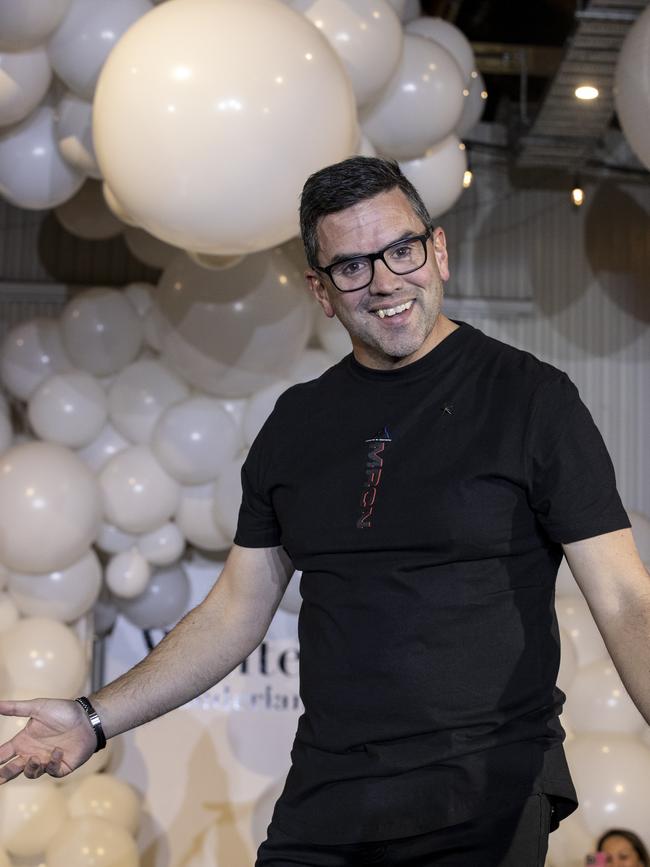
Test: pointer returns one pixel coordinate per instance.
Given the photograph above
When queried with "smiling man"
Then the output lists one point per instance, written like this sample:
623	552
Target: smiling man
427	486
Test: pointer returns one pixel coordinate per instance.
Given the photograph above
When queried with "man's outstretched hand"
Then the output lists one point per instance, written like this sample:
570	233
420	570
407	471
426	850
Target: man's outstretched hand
55	741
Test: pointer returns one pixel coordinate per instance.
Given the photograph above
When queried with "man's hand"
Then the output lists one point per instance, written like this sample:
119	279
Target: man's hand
56	740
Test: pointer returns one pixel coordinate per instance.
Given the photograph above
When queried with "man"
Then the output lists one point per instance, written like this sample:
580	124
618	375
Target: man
427	486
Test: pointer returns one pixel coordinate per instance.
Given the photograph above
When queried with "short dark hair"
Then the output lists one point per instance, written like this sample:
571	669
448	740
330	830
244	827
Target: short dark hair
633	839
347	183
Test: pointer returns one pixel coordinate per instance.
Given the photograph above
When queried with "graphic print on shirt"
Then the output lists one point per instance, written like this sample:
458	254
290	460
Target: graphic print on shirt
374	466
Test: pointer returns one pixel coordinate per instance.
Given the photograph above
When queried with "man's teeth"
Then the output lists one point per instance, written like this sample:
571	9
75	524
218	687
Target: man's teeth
391	311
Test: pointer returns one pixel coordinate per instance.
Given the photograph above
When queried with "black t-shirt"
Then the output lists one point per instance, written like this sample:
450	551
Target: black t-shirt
425	507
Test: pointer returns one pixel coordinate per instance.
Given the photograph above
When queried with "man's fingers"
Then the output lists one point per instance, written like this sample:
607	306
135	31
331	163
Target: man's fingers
34	768
7	752
12	770
17	708
53	767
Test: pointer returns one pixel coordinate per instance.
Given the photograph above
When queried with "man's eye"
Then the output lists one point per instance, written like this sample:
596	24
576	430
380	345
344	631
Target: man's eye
352	268
402	251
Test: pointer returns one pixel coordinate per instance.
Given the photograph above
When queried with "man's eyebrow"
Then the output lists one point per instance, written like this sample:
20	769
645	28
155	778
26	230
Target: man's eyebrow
343	257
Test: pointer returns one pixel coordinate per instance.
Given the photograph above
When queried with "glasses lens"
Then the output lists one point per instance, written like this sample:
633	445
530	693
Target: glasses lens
352	274
405	256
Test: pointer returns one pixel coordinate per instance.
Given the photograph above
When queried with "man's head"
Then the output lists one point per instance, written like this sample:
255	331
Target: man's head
375	262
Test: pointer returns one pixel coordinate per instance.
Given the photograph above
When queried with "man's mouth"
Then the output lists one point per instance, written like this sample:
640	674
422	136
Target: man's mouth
393	311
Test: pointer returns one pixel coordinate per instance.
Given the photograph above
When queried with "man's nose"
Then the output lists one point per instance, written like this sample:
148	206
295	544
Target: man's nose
384	281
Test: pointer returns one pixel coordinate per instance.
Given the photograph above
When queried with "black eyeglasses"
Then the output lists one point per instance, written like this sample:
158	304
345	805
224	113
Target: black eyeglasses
400	257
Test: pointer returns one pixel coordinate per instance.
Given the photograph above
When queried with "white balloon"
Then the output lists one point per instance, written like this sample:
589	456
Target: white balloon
162	546
366	35
568	662
74	134
107	443
69	409
407	10
112	540
192	60
292	600
29	22
163	601
475	98
333	337
85	37
260	407
149	250
421	104
138	494
101	331
311	364
575	618
24	79
365	148
46	495
236	408
438	175
33	174
86	214
196	519
105	796
598	701
194	439
141	296
632	87
31	812
450	37
214	263
31	352
140	395
227	497
127	573
90	841
9	613
566	584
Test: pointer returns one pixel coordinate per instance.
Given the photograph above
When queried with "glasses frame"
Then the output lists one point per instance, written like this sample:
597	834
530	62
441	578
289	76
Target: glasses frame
373	257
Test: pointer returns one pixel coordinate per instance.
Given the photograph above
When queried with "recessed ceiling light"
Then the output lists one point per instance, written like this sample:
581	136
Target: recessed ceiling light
586	91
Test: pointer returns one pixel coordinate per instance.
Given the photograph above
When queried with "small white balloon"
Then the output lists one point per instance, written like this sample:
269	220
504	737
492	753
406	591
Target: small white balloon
259	408
196	518
450	37
162	546
438	175
163	602
86	214
141	296
112	540
32	351
127	573
106	444
227	497
105	796
575	618
475	100
69	409
24	79
236	408
74	134
292	600
29	22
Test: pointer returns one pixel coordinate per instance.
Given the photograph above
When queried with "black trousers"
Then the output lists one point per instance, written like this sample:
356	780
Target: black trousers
517	836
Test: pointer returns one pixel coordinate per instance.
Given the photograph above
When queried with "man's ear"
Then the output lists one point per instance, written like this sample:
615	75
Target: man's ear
439	242
319	290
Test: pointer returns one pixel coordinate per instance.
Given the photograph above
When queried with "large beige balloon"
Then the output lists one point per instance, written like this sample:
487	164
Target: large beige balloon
632	87
31	813
50	508
195	100
86	214
105	796
32	351
91	841
232	332
438	175
43	657
69	409
24	79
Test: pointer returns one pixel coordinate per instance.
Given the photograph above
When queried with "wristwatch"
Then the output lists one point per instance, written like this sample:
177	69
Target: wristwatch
94	720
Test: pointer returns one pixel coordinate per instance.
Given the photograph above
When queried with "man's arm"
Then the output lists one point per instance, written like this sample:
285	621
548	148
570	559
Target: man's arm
205	646
616	585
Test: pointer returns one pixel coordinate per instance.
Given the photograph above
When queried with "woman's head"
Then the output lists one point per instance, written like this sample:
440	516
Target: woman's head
624	848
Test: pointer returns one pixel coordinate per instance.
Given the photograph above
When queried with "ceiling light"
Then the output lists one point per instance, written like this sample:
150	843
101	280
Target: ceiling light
577	194
586	91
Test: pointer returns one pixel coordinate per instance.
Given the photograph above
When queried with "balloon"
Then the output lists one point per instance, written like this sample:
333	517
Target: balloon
263	811
140	395
9	613
6	432
196	520
112	540
162	546
214	263
115	207
162	603
568	662
87	216
333	337
194	438
366	35
86	36
4	576
235	407
311	364
260	407
69	409
24	79
29	22
566	584
105	796
233	332
43	657
568	844
74	134
107	443
4	859
268	755
575	618
31	352
62	595
292	600
33	174
215	88
632	87
227	497
438	175
421	105
138	494
101	331
149	250
475	97
641	531
49	508
127	574
598	701
31	813
407	10
91	841
447	35
141	296
612	777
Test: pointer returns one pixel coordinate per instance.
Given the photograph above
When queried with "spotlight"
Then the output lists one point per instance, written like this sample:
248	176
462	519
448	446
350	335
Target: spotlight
577	194
586	92
468	177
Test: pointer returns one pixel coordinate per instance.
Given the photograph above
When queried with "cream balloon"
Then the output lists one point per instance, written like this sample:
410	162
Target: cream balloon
9	613
101	331
475	100
366	35
69	409
91	841
63	595
575	618
162	546
46	494
438	175
106	444
194	439
29	22
115	207
44	658
32	351
632	87
105	796
162	603
86	214
421	104
214	263
4	859
598	702
141	296
85	37
311	364
140	395
227	497
33	174
147	249
138	494
24	79
232	332
74	134
449	37
127	574
194	84
260	407
112	540
31	813
196	520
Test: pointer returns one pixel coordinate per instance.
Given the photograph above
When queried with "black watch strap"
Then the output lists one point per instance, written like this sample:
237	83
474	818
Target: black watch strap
94	720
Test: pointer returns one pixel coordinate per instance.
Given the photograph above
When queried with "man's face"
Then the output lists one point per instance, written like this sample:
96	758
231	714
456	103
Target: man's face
369	226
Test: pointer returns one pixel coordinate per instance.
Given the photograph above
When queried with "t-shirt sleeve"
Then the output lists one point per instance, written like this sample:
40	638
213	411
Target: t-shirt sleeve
571	481
257	525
